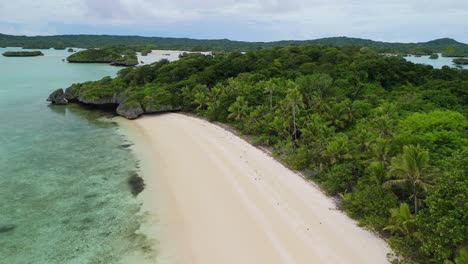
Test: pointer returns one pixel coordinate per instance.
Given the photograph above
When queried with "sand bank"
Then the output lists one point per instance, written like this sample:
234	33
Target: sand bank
220	200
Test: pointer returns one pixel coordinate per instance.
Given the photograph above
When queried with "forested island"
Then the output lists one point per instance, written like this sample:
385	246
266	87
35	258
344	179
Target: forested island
446	46
461	61
385	136
106	55
22	53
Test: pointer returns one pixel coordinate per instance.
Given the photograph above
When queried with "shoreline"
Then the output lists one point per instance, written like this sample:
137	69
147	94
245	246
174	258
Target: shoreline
212	197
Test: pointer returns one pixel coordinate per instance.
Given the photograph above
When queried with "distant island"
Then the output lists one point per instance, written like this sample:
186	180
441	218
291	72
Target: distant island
108	55
460	61
434	56
22	53
448	47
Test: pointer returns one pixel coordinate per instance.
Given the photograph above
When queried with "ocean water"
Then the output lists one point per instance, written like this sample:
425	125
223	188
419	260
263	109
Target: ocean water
436	63
64	196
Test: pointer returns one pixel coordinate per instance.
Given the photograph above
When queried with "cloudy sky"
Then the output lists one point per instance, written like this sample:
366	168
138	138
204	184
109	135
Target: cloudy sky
253	20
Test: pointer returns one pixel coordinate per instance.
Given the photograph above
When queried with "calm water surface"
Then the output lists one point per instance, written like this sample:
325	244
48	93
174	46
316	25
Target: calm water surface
436	63
64	196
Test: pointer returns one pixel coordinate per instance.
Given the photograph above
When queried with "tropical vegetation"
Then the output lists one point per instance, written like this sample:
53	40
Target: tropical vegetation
114	55
386	136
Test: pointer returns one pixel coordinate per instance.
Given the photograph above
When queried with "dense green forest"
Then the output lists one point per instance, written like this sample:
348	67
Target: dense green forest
22	53
446	46
385	135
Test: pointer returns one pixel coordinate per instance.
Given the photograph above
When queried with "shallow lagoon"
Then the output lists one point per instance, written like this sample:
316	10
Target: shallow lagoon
63	171
436	63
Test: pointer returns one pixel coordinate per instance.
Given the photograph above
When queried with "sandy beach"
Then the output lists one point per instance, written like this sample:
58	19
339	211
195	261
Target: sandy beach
213	198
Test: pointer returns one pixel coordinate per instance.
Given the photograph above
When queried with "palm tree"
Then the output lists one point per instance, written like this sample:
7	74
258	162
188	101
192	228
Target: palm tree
462	255
201	100
269	89
294	101
412	169
239	109
401	221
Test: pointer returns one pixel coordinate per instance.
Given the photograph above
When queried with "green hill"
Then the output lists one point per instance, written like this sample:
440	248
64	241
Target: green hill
445	45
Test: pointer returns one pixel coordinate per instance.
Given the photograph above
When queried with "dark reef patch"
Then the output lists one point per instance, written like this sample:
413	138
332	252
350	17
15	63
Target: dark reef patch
136	183
125	146
7	228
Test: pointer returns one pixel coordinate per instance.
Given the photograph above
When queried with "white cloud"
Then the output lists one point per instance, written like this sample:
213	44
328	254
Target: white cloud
403	20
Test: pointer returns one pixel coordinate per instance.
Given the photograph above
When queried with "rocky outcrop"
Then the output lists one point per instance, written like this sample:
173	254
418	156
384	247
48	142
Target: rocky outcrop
115	98
70	95
130	110
125	107
58	97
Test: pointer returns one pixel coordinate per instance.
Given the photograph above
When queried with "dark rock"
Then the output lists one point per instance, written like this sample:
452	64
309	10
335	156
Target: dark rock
70	95
130	110
124	146
136	183
7	228
58	97
110	99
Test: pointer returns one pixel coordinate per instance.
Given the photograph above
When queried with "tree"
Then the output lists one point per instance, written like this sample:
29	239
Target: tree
315	88
443	220
462	256
411	168
441	132
269	89
201	100
293	101
401	221
239	109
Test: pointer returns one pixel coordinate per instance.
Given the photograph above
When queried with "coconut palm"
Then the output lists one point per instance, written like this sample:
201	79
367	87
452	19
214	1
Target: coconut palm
401	221
294	101
462	256
239	109
269	89
201	100
412	169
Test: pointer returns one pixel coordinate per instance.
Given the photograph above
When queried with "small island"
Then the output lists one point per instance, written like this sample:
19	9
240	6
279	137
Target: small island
103	56
434	56
22	53
460	61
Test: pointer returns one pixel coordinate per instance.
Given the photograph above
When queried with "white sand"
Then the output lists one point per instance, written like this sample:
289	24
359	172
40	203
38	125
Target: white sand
214	198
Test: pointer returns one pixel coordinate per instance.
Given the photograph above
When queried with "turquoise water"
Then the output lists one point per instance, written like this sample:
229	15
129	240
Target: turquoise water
63	171
437	63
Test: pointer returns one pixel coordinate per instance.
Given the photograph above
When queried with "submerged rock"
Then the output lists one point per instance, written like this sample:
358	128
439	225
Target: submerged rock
58	97
136	183
7	228
130	110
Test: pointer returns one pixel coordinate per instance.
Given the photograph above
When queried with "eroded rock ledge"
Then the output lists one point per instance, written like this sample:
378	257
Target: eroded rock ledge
124	106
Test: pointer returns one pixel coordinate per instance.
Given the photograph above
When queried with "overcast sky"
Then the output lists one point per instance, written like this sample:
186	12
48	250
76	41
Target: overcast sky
252	20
